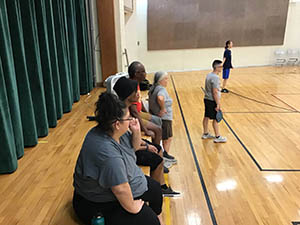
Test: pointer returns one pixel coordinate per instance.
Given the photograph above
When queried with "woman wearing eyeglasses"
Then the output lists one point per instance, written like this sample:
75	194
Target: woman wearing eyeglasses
107	180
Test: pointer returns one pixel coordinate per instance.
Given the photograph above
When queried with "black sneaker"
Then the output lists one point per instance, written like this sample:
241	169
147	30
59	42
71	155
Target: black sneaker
166	155
166	170
168	192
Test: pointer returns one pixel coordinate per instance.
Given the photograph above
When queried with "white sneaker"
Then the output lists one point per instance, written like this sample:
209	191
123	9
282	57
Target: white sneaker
207	136
220	139
168	164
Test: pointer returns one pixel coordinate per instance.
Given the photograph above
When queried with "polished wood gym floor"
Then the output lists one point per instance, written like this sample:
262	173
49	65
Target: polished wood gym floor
252	179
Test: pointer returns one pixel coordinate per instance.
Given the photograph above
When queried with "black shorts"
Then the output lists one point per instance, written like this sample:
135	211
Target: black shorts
167	130
147	158
210	109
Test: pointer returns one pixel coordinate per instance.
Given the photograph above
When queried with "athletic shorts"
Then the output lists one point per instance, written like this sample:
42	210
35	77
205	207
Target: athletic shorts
147	158
210	109
146	117
167	130
226	73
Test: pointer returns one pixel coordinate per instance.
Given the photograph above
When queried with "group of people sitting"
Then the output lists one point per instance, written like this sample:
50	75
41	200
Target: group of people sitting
107	178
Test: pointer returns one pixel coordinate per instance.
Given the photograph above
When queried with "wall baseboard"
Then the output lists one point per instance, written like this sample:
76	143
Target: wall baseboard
198	69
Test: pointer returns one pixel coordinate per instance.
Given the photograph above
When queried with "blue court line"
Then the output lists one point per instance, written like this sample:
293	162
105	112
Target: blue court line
209	205
245	148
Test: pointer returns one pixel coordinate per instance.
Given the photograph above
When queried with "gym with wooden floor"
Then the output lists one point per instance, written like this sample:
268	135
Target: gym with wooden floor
252	179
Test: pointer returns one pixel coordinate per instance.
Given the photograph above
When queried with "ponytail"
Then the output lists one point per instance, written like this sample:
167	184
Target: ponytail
108	109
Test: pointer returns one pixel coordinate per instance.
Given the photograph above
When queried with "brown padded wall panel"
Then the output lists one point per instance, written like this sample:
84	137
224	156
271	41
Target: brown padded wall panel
186	24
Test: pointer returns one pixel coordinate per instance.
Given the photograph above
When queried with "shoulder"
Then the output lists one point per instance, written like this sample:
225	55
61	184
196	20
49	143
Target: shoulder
161	89
98	144
214	77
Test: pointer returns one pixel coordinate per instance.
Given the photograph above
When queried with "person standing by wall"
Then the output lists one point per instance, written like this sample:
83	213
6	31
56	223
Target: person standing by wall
227	65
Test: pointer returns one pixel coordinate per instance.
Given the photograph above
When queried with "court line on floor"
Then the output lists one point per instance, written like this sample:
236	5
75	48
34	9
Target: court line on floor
274	95
261	102
250	154
261	112
167	211
207	198
253	158
258	101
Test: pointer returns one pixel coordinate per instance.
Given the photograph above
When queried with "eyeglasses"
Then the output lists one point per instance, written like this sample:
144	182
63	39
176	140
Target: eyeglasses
128	119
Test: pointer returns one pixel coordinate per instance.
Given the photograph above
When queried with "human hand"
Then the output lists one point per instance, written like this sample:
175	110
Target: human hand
134	125
162	112
137	206
218	108
152	148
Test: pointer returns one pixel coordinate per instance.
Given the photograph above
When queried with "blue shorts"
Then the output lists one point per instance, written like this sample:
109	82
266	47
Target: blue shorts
226	73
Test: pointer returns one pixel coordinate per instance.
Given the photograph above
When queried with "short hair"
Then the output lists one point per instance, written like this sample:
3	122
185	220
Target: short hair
216	63
108	110
132	68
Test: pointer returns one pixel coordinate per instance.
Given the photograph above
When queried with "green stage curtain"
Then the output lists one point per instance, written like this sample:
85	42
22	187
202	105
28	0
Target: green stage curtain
44	67
86	80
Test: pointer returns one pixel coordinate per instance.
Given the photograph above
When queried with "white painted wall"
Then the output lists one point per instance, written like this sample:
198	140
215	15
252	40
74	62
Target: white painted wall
131	34
120	33
199	59
95	46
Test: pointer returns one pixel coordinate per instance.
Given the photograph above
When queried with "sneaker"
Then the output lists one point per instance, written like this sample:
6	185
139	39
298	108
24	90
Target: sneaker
220	139
169	192
168	164
166	170
173	161
166	155
224	90
207	136
169	158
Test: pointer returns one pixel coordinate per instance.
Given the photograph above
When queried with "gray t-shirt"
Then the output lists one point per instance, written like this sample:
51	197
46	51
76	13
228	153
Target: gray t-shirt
154	107
212	81
104	163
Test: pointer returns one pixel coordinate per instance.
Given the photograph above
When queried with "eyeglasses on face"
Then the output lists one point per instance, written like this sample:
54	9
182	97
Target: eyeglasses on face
128	119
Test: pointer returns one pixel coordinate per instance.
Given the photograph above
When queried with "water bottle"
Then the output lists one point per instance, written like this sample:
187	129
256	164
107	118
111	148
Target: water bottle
99	220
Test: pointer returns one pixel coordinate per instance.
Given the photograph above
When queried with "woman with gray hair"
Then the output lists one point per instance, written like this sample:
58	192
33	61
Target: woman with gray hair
160	104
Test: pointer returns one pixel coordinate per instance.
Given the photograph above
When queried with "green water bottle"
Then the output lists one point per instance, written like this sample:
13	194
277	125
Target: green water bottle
99	220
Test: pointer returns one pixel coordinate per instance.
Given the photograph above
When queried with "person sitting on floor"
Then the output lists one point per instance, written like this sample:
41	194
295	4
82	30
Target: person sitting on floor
107	180
148	154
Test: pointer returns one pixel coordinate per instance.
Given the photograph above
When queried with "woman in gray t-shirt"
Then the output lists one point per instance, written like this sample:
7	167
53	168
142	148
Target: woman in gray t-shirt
107	180
160	104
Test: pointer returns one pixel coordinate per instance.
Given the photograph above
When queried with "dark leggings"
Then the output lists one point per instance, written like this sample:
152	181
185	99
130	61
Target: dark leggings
115	214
